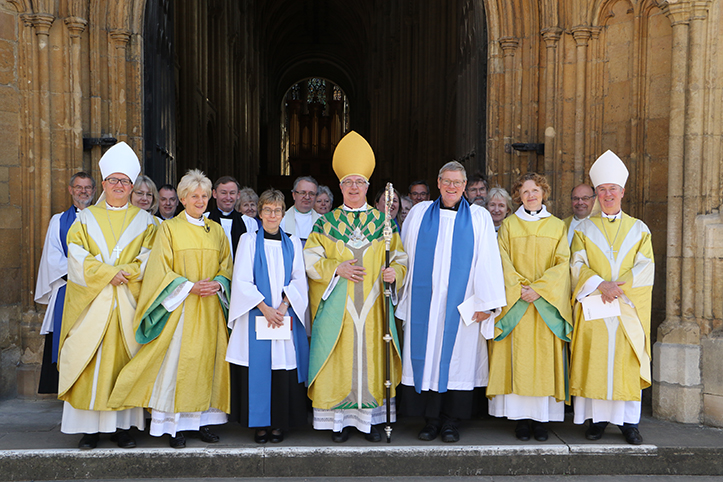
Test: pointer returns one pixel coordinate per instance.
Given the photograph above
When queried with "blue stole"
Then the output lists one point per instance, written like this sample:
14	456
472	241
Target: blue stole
260	350
422	289
66	221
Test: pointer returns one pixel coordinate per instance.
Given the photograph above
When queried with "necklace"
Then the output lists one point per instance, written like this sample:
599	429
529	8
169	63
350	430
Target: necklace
605	232
117	249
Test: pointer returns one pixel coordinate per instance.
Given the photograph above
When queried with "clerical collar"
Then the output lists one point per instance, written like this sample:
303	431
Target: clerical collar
226	215
275	237
347	208
453	208
525	215
113	208
532	213
579	219
612	217
194	221
307	213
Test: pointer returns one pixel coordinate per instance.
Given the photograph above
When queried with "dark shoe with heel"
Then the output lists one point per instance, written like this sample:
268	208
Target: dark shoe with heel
207	436
450	434
261	436
88	441
522	431
373	435
594	432
428	433
277	435
633	437
123	439
340	437
178	442
539	431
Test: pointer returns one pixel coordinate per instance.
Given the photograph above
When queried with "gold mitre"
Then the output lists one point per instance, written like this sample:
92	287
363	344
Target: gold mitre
353	156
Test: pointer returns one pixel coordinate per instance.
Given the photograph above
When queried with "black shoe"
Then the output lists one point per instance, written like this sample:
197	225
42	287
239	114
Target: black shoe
207	436
124	439
88	441
429	432
178	442
277	435
373	435
522	431
261	436
594	431
340	437
449	433
539	431
632	436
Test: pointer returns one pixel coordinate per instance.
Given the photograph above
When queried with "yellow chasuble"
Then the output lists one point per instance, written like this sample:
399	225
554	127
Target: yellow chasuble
182	252
619	368
347	358
529	358
96	339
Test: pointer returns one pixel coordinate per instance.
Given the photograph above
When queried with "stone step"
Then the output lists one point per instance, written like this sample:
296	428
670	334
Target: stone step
32	448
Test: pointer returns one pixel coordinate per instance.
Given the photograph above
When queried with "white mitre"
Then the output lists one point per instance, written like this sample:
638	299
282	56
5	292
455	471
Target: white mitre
120	158
609	169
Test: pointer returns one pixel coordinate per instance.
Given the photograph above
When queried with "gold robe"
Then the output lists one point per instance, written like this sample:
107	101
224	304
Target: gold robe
592	365
347	355
529	358
97	313
182	252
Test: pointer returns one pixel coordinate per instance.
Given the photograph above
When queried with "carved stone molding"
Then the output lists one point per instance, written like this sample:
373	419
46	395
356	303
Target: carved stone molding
42	22
509	45
76	26
551	36
582	35
677	12
120	37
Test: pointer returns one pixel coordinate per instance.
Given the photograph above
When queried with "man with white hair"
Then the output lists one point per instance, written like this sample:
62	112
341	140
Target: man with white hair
612	262
53	273
108	246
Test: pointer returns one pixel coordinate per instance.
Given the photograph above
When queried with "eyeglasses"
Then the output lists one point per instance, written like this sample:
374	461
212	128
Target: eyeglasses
83	188
306	193
449	182
357	183
275	212
419	194
584	198
114	180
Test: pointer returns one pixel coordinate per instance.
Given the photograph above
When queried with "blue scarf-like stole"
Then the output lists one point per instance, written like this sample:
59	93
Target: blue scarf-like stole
461	263
260	350
66	221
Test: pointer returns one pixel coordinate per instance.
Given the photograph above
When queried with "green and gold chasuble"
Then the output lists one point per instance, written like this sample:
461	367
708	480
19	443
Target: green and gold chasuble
347	354
528	355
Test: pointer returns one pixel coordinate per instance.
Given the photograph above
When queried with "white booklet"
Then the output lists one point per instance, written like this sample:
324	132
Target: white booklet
264	332
466	312
593	308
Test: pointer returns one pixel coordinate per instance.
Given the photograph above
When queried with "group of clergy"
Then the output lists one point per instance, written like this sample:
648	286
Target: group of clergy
204	315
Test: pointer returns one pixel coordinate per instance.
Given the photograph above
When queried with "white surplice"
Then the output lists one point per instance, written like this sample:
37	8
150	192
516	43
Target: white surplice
53	267
486	286
245	295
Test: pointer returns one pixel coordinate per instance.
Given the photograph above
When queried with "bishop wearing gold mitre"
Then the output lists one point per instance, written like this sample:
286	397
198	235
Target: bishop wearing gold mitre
108	246
612	260
345	258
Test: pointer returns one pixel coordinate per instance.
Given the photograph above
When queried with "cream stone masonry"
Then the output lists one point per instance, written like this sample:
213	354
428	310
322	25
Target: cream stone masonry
426	81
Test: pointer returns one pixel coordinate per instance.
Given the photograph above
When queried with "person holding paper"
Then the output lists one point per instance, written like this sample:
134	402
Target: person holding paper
528	362
345	263
268	349
455	281
612	256
179	373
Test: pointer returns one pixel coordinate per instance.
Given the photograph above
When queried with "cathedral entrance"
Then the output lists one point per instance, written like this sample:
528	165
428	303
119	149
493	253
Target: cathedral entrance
263	90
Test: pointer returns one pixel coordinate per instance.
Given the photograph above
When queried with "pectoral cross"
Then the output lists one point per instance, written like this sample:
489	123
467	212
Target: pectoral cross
612	254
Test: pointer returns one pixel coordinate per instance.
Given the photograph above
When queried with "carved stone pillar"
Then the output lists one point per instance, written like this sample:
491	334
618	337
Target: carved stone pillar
42	22
676	355
551	36
119	40
509	45
582	37
76	26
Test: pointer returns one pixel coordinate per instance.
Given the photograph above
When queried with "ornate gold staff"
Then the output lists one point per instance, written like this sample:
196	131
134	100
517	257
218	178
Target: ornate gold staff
388	200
